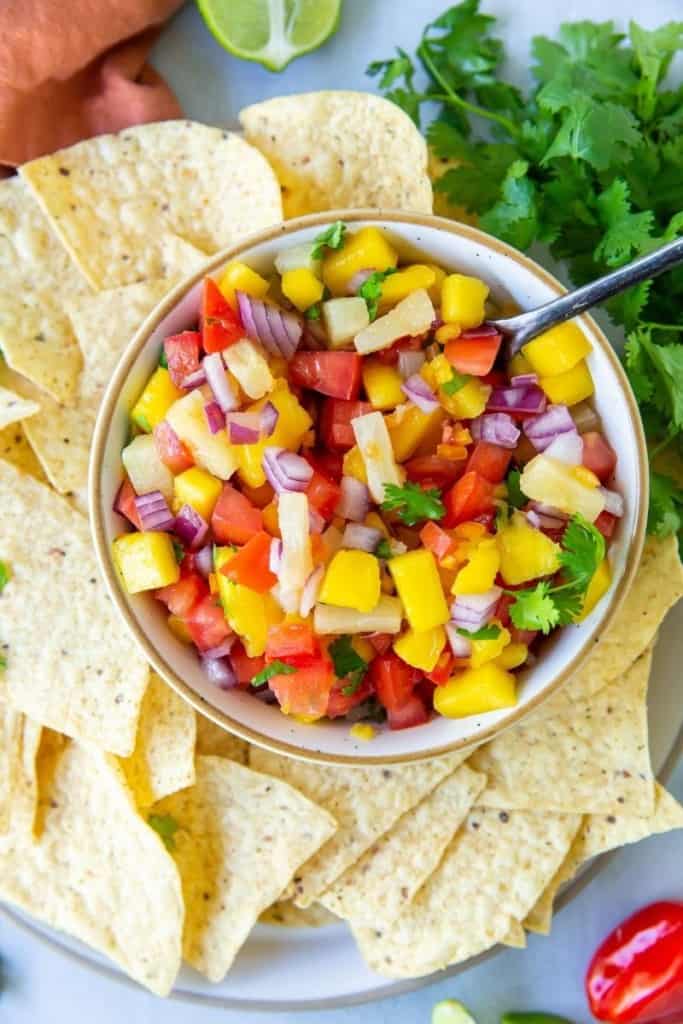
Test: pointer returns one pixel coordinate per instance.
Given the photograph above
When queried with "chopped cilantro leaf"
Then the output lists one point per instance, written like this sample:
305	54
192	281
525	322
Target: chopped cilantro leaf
330	238
383	549
583	549
348	664
166	826
143	423
457	381
163	361
313	312
502	516
516	496
666	506
178	551
490	632
412	504
371	289
275	668
535	609
5	576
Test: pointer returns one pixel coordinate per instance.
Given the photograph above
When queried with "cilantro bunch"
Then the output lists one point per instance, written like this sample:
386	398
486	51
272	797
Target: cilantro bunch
588	162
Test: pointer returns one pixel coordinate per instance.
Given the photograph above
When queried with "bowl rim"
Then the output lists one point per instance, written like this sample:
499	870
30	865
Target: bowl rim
103	425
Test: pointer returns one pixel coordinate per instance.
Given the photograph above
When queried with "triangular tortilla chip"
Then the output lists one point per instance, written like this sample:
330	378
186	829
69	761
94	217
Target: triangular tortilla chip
14	448
19	741
212	739
14	408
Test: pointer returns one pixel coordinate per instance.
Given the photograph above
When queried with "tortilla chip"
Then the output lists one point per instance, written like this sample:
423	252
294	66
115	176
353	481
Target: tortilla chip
240	838
214	739
71	664
19	740
104	324
488	880
163	760
14	408
365	802
98	872
598	834
338	150
516	936
386	878
112	199
657	586
14	448
36	276
285	914
585	757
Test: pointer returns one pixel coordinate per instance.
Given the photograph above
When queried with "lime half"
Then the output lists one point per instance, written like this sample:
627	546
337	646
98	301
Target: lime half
271	32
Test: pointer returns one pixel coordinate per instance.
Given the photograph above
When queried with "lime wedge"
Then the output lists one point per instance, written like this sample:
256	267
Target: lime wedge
450	1011
271	32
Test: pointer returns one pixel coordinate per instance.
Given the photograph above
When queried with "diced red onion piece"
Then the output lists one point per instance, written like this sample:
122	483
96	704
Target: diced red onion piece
549	510
195	379
218	382
279	331
361	538
190	527
203	561
309	595
354	503
496	428
397	547
154	511
523	401
523	380
285	470
585	417
269	417
220	672
460	645
222	650
316	523
244	427
614	502
409	362
275	556
542	430
566	447
215	417
482	331
420	394
358	280
544	522
472	611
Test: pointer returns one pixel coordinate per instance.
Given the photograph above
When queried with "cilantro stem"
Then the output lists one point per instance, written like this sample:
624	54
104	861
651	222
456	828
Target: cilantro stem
454	99
664	443
663	327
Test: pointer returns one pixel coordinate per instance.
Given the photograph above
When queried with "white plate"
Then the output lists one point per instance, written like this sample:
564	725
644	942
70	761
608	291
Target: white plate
273	971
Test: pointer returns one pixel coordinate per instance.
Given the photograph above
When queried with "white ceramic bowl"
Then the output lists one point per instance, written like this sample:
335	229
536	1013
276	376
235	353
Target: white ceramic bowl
511	277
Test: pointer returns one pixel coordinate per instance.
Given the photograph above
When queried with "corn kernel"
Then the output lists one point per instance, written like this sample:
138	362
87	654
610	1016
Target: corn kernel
239	277
362	731
302	288
463	299
447	332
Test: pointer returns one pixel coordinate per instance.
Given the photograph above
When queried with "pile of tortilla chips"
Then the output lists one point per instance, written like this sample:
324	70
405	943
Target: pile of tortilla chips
126	820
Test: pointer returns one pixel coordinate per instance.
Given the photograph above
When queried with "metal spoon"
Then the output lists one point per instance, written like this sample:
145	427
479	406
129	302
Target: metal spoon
525	326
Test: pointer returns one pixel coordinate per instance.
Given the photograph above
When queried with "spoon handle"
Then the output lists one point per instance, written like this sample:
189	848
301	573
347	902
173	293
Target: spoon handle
522	328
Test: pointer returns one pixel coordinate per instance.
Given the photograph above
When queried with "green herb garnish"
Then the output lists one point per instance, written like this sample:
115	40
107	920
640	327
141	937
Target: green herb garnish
143	423
313	312
330	238
516	496
383	549
371	289
166	826
412	504
490	632
275	668
5	576
348	664
457	381
163	361
178	551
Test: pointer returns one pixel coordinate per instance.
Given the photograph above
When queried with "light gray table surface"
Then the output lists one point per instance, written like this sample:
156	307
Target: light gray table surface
44	988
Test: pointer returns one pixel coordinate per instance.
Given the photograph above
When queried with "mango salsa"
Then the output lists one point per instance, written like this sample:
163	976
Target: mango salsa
369	247
248	613
292	424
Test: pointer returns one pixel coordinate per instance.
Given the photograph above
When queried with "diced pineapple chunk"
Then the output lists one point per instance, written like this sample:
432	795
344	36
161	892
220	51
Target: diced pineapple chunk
413	315
297	559
553	483
199	489
343	319
385	617
212	451
249	366
145	561
298	257
159	395
374	445
145	469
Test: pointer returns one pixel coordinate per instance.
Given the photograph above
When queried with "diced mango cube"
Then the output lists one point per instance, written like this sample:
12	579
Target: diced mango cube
145	561
368	247
476	691
479	574
159	395
293	422
557	350
421	650
467	402
436	286
571	387
249	614
597	588
382	384
410	428
447	332
525	552
512	656
238	277
418	583
197	488
344	319
354	464
352	580
484	651
302	287
463	299
519	364
397	286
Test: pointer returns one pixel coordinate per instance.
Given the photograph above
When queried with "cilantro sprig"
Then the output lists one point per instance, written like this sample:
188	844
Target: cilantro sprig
490	632
275	668
455	384
330	238
348	664
588	161
371	289
383	549
412	504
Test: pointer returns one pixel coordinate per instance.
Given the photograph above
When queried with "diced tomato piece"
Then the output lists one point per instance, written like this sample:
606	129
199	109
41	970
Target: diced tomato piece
250	565
125	504
306	691
413	712
433	470
380	641
490	461
496	379
475	351
206	624
220	323
234	519
468	498
436	540
606	524
340	703
393	679
336	374
245	667
598	455
293	642
170	449
330	464
323	495
389	356
522	636
443	669
336	432
182	355
182	596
